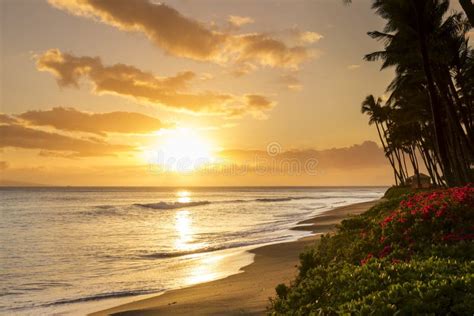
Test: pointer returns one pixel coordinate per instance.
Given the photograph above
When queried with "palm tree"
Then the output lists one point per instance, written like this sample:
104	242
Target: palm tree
377	115
425	49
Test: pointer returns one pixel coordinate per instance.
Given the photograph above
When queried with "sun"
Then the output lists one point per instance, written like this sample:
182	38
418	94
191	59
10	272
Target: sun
181	150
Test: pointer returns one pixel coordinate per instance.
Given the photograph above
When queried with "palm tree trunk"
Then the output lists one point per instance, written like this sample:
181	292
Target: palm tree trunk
469	132
451	99
436	110
427	163
389	156
414	163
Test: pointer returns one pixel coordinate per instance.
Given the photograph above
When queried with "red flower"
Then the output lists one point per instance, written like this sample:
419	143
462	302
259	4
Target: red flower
386	251
364	261
402	220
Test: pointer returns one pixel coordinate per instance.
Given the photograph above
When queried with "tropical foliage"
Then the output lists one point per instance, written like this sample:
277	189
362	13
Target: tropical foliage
408	255
427	118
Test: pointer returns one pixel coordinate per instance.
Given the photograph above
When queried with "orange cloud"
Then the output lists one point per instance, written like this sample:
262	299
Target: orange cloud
184	37
238	21
7	119
269	51
70	119
4	165
18	136
358	156
256	105
309	37
353	67
291	82
128	81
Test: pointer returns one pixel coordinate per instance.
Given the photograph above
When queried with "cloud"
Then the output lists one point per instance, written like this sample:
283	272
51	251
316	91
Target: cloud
18	136
238	21
57	154
184	37
4	165
255	104
242	69
298	37
7	119
309	37
269	52
358	156
353	67
290	81
70	119
128	81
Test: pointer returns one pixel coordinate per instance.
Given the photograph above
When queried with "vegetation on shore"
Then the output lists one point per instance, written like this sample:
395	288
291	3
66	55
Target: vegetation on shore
411	254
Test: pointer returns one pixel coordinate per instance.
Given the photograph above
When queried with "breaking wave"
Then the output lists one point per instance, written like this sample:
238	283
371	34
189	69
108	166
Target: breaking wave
171	205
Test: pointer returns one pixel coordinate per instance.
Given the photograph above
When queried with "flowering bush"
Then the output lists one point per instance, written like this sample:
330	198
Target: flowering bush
411	254
427	219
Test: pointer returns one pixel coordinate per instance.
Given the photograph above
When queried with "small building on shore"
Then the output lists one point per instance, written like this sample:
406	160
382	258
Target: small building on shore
425	181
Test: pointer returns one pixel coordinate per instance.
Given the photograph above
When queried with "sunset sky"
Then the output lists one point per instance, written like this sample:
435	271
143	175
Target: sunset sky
90	90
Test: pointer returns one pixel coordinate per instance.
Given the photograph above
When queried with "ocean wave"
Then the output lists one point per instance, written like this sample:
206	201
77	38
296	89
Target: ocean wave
279	199
162	205
104	210
171	205
175	205
164	255
102	296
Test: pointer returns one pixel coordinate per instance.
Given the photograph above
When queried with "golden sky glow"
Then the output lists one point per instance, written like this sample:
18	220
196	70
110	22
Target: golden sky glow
180	150
97	92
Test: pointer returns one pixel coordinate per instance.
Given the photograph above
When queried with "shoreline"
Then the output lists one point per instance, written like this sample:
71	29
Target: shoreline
246	292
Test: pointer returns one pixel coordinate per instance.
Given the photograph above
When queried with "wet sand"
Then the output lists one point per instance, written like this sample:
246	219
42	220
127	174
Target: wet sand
245	293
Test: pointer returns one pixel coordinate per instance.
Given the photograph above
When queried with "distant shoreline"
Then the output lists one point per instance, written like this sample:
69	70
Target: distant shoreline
247	292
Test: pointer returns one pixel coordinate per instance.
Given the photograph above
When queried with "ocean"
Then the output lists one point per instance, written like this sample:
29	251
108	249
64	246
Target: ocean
75	250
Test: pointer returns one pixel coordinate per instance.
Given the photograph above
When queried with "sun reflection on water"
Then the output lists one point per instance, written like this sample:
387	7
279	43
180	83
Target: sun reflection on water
205	267
207	270
184	231
183	196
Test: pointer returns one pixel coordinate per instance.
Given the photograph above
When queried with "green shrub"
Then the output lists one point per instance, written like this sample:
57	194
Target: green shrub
397	191
412	254
421	286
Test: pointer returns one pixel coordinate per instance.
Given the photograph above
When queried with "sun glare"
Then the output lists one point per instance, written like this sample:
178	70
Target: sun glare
183	196
181	150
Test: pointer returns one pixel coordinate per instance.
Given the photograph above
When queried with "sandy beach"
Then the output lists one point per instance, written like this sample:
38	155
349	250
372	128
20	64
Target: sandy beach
245	293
